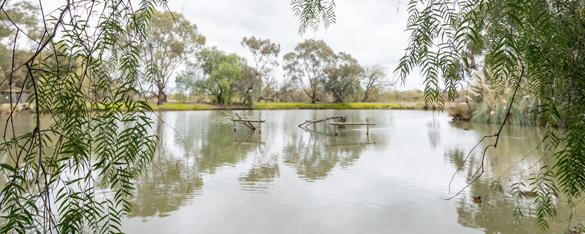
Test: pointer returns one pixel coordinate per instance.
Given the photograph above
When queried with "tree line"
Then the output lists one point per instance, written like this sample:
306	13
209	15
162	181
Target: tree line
313	72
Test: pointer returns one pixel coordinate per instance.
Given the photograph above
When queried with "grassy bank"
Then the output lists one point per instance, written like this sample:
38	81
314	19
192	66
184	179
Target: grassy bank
296	105
4	108
278	106
180	107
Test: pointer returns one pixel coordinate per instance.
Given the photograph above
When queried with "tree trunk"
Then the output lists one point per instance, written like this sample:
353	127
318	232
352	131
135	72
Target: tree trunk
366	97
161	97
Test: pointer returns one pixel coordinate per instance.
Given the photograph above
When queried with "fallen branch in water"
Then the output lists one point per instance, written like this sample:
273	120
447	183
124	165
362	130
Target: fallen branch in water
307	122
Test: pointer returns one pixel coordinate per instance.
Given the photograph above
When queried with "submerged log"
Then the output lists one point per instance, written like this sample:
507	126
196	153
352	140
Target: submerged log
245	121
338	124
307	122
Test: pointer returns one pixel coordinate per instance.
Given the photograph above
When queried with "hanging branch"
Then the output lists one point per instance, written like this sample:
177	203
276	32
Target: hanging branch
480	170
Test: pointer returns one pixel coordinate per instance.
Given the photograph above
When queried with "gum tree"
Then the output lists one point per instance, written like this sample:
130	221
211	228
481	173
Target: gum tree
171	39
342	77
265	57
373	78
306	66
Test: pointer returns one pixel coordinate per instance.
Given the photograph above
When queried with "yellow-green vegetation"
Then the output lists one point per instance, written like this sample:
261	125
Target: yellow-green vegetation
297	105
180	107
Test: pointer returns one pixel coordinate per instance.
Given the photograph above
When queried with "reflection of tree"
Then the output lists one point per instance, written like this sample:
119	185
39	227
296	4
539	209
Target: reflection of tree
434	132
168	184
315	156
220	147
514	160
261	173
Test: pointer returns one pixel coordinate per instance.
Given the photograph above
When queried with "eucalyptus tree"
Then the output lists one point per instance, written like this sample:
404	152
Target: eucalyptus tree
74	169
373	78
342	77
215	73
248	84
306	66
19	16
532	46
265	57
171	39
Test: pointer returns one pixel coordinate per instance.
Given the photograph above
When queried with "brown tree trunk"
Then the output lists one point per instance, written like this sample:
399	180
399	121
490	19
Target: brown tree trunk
161	97
366	97
314	96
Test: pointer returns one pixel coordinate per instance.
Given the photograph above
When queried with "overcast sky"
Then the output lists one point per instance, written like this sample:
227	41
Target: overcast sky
371	30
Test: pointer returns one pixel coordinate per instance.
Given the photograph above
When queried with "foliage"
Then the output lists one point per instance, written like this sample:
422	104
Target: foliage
373	79
313	12
342	77
180	107
306	66
22	14
19	16
248	84
299	105
536	47
265	57
489	107
216	73
75	170
171	38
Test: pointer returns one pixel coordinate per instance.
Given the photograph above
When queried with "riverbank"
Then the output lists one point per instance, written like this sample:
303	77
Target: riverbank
5	108
289	106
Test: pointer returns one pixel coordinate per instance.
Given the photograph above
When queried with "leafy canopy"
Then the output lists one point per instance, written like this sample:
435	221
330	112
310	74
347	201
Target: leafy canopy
215	73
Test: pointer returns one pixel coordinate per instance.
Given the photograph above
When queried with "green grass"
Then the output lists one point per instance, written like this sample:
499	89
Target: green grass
297	105
180	107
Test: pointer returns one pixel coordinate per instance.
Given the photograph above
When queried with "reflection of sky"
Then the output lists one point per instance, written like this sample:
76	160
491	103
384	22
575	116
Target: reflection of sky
287	180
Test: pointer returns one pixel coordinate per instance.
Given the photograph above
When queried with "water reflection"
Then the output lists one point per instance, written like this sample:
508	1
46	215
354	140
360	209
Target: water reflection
169	183
206	178
316	155
518	157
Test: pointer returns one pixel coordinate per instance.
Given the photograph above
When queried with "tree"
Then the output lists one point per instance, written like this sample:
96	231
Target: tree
265	57
216	73
248	84
342	77
19	16
534	47
373	78
74	170
171	38
306	66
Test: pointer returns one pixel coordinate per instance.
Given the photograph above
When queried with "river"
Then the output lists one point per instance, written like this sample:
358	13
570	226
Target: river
207	179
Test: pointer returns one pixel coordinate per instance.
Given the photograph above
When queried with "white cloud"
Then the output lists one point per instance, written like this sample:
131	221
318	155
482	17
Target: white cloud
373	31
370	30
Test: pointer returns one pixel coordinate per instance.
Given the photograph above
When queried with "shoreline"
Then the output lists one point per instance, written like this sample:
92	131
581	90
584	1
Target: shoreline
5	108
292	106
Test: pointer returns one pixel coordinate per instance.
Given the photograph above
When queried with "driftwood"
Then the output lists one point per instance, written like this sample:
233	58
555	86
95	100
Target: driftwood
337	124
305	124
246	121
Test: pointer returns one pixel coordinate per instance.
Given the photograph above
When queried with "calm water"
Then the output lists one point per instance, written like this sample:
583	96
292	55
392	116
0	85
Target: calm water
206	179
